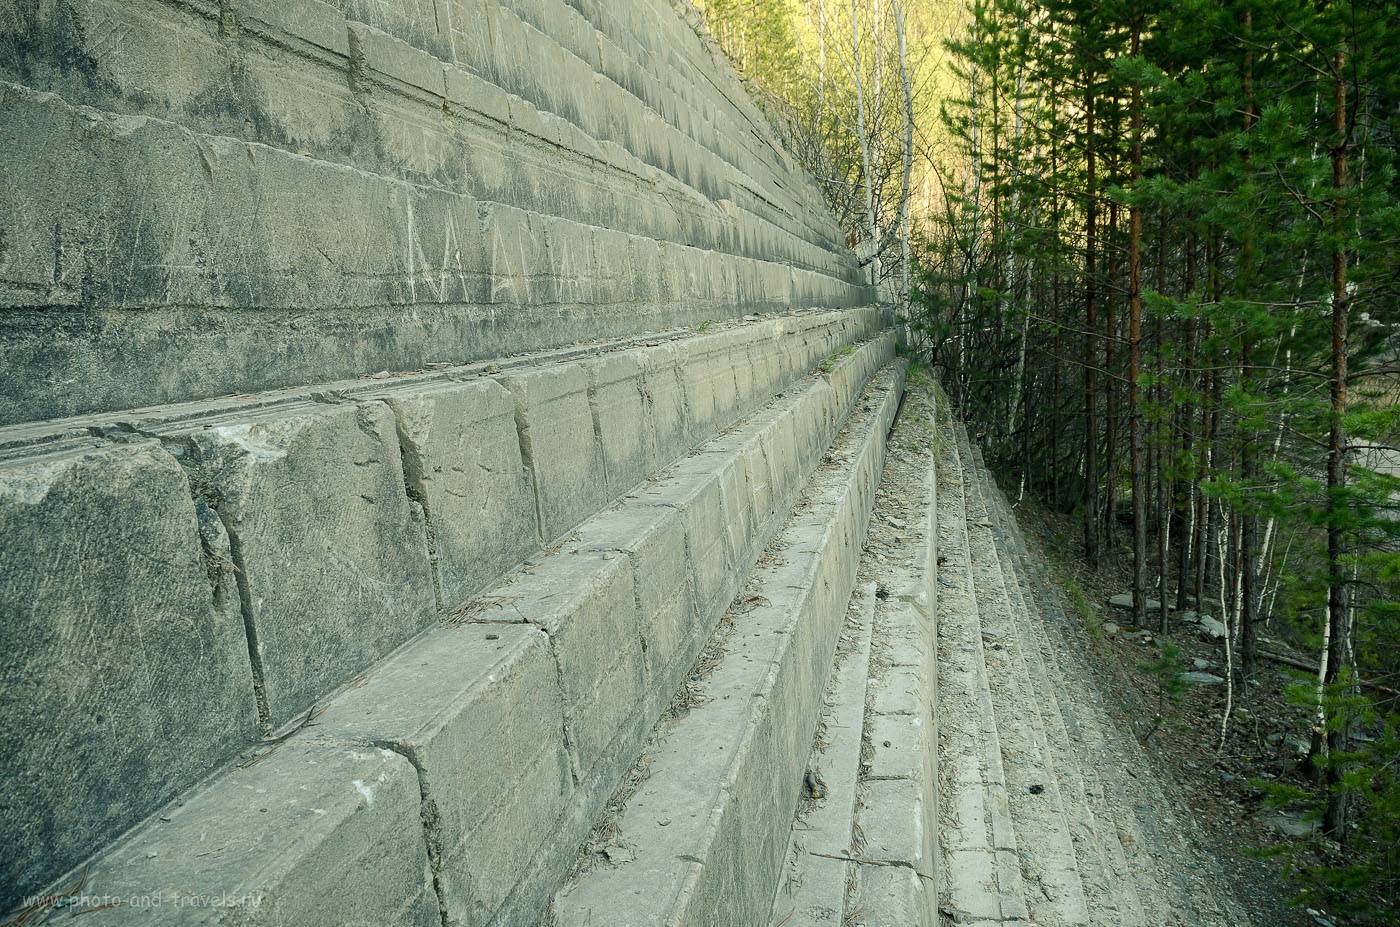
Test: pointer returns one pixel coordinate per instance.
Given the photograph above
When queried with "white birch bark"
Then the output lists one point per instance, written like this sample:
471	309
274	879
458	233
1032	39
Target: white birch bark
904	230
864	139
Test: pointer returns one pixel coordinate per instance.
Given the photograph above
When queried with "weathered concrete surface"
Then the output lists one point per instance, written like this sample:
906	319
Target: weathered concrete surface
708	825
521	720
663	390
1139	859
584	603
864	842
710	384
125	672
823	841
652	537
980	874
477	711
892	896
462	461
623	420
327	835
306	488
258	194
331	554
560	443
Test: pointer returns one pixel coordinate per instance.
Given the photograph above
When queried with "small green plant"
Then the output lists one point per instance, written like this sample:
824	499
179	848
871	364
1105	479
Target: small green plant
704	326
1167	670
1080	601
918	372
829	362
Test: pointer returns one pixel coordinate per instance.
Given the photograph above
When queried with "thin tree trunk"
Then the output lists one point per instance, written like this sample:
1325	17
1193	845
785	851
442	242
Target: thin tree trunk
1248	523
1335	819
1162	443
1184	486
1110	505
1091	386
1055	320
1137	464
908	90
864	138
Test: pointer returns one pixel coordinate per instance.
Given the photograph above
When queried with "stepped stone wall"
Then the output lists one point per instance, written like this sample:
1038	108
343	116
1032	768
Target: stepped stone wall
177	583
331	329
206	197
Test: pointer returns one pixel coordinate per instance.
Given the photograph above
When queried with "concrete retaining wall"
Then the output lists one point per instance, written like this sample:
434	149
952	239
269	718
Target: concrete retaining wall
518	719
208	197
320	318
176	582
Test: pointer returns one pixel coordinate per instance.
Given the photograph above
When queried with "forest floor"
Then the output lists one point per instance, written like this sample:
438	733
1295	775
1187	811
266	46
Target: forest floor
1266	740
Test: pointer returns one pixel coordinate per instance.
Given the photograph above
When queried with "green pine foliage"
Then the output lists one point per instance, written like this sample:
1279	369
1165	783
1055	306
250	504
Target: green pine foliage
1141	218
1216	125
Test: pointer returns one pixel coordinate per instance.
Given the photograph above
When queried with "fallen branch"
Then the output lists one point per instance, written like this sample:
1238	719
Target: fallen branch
1299	663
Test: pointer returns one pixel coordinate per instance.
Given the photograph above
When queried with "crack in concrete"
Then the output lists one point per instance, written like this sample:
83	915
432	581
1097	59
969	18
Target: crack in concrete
428	814
527	459
411	461
250	624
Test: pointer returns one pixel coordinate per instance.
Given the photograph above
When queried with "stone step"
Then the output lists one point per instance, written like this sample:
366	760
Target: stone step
865	846
274	547
699	834
1109	892
980	878
1162	867
343	230
818	871
896	823
519	717
1050	864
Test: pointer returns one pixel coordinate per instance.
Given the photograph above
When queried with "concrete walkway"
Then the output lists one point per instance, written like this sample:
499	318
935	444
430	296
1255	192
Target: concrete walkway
983	782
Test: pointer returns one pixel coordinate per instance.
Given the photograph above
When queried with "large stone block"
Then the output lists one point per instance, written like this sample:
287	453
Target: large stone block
584	602
315	834
477	709
468	33
668	405
463	465
710	388
779	441
653	539
896	896
560	444
616	394
331	553
737	494
768	499
765	361
125	670
694	491
413	22
900	823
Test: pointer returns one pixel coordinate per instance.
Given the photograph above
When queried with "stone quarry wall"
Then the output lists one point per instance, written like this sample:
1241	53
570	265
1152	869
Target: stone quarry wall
206	197
319	323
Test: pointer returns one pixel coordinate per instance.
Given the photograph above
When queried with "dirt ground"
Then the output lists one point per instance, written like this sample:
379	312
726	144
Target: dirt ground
1265	740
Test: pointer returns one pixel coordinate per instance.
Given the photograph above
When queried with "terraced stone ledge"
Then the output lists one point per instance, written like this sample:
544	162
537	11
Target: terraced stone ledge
517	719
187	580
706	827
